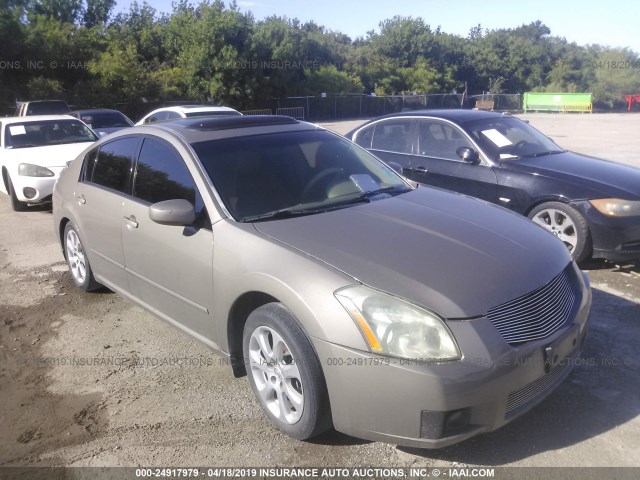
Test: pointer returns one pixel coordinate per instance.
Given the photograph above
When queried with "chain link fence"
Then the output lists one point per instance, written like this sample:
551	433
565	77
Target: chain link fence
341	107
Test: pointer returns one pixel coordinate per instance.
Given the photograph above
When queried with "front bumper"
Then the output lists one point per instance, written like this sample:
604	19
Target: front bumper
614	238
35	189
426	405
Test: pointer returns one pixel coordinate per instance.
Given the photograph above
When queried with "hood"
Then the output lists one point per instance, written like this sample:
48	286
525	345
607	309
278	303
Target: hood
604	178
47	156
447	252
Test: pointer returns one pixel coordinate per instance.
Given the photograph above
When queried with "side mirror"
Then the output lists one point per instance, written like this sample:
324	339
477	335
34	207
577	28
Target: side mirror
469	155
396	166
173	212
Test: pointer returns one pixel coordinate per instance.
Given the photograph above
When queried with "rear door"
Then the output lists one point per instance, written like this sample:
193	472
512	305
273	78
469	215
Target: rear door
103	187
169	267
437	163
390	140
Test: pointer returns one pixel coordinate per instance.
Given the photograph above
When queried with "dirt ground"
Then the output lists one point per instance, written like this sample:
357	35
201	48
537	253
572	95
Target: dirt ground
91	380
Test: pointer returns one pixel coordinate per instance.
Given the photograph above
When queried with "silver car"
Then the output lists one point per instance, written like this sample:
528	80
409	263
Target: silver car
412	316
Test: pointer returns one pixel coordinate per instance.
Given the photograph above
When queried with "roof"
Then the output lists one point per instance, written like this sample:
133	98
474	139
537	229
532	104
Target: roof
35	118
95	110
195	130
454	115
196	108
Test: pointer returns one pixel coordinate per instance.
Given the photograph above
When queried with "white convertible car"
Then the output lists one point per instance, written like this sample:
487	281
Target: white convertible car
33	152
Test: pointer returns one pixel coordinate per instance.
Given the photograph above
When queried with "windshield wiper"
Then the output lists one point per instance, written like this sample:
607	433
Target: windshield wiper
298	212
24	145
383	192
542	154
278	214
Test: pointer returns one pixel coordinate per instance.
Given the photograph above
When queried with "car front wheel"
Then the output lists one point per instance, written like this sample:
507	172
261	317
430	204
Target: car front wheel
77	260
285	373
566	223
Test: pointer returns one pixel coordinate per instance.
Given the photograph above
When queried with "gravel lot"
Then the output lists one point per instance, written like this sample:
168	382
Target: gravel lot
91	380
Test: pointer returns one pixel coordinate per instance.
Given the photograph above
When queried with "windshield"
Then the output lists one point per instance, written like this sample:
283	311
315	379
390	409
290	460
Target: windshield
105	119
504	138
46	132
294	173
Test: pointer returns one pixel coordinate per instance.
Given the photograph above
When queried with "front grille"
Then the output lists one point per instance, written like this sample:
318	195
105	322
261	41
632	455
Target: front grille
535	390
537	314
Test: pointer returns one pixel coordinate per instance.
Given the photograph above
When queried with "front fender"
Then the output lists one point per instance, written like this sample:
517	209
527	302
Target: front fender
304	284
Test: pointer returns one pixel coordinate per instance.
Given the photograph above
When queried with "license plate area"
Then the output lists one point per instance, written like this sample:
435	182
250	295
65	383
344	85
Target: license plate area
557	351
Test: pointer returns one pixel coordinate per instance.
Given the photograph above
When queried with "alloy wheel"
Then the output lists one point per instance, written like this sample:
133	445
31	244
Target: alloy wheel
276	375
560	224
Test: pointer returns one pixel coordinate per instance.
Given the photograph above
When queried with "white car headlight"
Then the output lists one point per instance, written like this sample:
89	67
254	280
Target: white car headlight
616	207
397	328
29	170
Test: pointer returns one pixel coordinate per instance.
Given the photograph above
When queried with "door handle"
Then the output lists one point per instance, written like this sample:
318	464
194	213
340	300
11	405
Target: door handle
130	222
422	170
81	199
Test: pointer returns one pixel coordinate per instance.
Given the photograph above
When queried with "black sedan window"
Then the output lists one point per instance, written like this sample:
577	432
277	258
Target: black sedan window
440	140
393	136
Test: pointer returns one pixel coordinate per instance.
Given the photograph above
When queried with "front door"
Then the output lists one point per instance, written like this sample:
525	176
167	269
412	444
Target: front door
437	163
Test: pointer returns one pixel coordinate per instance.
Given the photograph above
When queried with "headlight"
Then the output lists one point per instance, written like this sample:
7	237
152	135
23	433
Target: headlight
615	207
29	170
397	328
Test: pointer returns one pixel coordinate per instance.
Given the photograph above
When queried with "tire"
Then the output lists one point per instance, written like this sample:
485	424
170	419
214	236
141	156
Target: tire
566	223
77	261
17	205
284	373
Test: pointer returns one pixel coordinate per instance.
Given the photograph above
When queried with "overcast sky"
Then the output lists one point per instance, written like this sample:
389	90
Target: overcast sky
614	23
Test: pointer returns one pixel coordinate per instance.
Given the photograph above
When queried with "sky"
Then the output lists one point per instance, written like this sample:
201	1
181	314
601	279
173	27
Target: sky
611	23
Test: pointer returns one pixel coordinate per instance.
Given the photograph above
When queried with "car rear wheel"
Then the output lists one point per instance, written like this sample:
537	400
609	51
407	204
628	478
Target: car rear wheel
17	205
566	223
77	260
285	373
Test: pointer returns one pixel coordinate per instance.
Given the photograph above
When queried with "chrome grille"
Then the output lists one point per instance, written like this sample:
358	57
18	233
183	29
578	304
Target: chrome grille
534	390
537	314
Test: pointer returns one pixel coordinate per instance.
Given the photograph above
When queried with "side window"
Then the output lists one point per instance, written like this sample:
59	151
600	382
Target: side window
365	136
440	140
161	174
113	166
172	115
393	136
89	163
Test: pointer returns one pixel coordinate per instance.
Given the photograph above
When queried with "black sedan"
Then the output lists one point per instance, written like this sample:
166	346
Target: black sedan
592	205
103	120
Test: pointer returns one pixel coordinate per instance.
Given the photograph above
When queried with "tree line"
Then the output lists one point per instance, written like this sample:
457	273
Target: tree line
80	51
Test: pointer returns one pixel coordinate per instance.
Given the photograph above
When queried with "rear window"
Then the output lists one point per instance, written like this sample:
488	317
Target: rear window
105	119
52	107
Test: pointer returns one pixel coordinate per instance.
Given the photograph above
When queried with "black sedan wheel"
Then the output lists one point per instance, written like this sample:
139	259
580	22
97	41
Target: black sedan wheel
285	373
566	223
